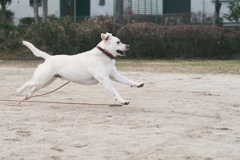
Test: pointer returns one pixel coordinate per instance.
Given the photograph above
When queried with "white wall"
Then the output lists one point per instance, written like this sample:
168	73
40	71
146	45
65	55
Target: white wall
208	7
106	10
202	6
21	9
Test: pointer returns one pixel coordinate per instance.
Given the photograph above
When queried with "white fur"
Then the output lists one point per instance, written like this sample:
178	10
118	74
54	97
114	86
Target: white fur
87	68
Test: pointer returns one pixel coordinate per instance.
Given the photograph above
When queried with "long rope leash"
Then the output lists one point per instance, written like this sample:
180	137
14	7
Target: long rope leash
57	102
39	95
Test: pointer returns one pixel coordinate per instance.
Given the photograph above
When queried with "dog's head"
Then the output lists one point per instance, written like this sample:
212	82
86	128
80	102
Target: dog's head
113	45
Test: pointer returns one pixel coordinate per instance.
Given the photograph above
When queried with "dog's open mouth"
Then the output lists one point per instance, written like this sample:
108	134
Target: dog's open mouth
122	53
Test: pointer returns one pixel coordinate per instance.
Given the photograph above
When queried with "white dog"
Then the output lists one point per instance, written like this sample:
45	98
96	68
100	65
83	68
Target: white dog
88	68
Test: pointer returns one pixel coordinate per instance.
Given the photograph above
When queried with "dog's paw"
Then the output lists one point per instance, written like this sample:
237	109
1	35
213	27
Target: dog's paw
140	85
18	93
125	103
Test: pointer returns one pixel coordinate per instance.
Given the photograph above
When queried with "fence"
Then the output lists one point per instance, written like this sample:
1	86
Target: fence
170	13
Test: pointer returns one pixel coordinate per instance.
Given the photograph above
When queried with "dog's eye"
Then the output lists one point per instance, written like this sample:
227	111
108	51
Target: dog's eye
118	42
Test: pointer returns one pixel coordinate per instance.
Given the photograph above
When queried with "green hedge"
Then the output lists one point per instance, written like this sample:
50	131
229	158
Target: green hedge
51	36
148	40
62	36
9	39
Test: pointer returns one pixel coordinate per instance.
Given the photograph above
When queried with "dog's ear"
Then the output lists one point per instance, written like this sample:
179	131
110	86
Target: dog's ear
110	34
106	36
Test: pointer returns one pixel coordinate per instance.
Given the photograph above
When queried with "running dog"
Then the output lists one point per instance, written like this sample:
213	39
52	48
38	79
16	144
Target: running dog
88	68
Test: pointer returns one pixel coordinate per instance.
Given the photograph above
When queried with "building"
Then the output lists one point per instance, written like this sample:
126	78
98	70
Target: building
77	9
200	10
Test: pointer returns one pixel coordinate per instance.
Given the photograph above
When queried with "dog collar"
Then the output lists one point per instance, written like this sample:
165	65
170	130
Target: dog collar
105	52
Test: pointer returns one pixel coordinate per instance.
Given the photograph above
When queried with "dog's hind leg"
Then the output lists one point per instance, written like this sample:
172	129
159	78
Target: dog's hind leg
23	87
37	86
33	90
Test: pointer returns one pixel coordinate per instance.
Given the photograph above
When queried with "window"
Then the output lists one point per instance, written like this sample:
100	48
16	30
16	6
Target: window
176	6
32	1
101	2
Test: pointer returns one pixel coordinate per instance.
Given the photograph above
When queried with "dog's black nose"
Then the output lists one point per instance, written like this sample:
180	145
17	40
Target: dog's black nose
127	46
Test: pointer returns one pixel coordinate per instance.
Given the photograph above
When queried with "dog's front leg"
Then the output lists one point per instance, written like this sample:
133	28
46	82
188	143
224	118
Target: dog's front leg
116	76
108	85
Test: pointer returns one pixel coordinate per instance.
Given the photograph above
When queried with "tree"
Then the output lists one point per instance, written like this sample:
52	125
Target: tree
119	11
45	10
216	19
4	3
234	12
35	10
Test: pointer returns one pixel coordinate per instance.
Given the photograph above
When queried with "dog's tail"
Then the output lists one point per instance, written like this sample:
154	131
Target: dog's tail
36	51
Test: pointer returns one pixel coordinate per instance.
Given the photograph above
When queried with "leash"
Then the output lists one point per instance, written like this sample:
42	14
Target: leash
55	102
39	95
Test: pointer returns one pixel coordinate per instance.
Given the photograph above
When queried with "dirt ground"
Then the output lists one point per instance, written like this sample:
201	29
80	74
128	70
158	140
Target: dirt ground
174	116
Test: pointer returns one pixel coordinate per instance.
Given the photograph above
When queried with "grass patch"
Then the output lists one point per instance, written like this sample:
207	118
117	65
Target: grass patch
181	66
155	66
20	55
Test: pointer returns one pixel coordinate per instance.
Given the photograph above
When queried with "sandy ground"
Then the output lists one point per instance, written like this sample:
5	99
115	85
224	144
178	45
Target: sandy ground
174	116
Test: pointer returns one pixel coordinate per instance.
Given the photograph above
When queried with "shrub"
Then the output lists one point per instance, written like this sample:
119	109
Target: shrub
49	36
9	37
9	16
148	40
62	36
26	21
86	34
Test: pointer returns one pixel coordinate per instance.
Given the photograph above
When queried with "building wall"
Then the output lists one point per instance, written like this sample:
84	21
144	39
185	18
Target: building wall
22	8
106	10
197	6
207	7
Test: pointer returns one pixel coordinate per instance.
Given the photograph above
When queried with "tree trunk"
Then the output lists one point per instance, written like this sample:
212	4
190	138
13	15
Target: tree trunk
35	10
216	13
3	5
3	13
45	10
119	11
